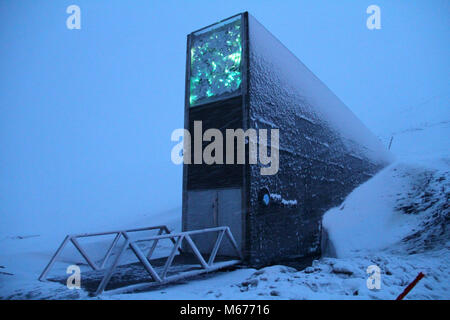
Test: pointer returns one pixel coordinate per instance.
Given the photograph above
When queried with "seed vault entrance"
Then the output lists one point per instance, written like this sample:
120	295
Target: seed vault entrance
215	208
214	194
239	76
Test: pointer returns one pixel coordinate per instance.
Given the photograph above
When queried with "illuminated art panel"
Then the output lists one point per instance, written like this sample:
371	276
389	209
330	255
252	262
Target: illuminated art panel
216	62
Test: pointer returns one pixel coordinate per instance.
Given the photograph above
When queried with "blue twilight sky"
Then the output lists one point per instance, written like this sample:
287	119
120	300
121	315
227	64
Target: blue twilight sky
86	115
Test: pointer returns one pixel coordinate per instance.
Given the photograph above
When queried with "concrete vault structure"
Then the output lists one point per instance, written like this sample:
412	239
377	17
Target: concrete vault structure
238	75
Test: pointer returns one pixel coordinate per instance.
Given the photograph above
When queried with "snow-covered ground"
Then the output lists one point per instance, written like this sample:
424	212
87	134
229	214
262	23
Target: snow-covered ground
396	221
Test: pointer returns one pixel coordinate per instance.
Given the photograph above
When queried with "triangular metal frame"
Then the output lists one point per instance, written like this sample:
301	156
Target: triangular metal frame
144	259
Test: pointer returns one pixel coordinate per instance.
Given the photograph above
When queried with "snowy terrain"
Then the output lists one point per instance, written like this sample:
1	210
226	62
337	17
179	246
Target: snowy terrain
396	221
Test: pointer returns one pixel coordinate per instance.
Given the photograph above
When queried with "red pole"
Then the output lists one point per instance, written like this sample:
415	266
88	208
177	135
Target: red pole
410	286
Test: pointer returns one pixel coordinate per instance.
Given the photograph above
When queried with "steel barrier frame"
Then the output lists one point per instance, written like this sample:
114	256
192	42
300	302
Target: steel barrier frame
163	233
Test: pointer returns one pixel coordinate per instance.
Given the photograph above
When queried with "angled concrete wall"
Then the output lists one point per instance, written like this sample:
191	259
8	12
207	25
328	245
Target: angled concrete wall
325	152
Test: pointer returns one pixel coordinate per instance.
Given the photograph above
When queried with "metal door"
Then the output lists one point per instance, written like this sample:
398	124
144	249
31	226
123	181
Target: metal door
214	208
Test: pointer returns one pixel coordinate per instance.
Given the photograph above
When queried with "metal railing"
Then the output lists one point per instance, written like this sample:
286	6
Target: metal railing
163	233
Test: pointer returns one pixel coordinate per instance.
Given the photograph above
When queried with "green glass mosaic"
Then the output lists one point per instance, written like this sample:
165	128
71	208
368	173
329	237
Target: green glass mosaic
216	62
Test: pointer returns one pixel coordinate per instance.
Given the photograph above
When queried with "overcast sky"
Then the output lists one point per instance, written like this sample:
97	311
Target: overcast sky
86	115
